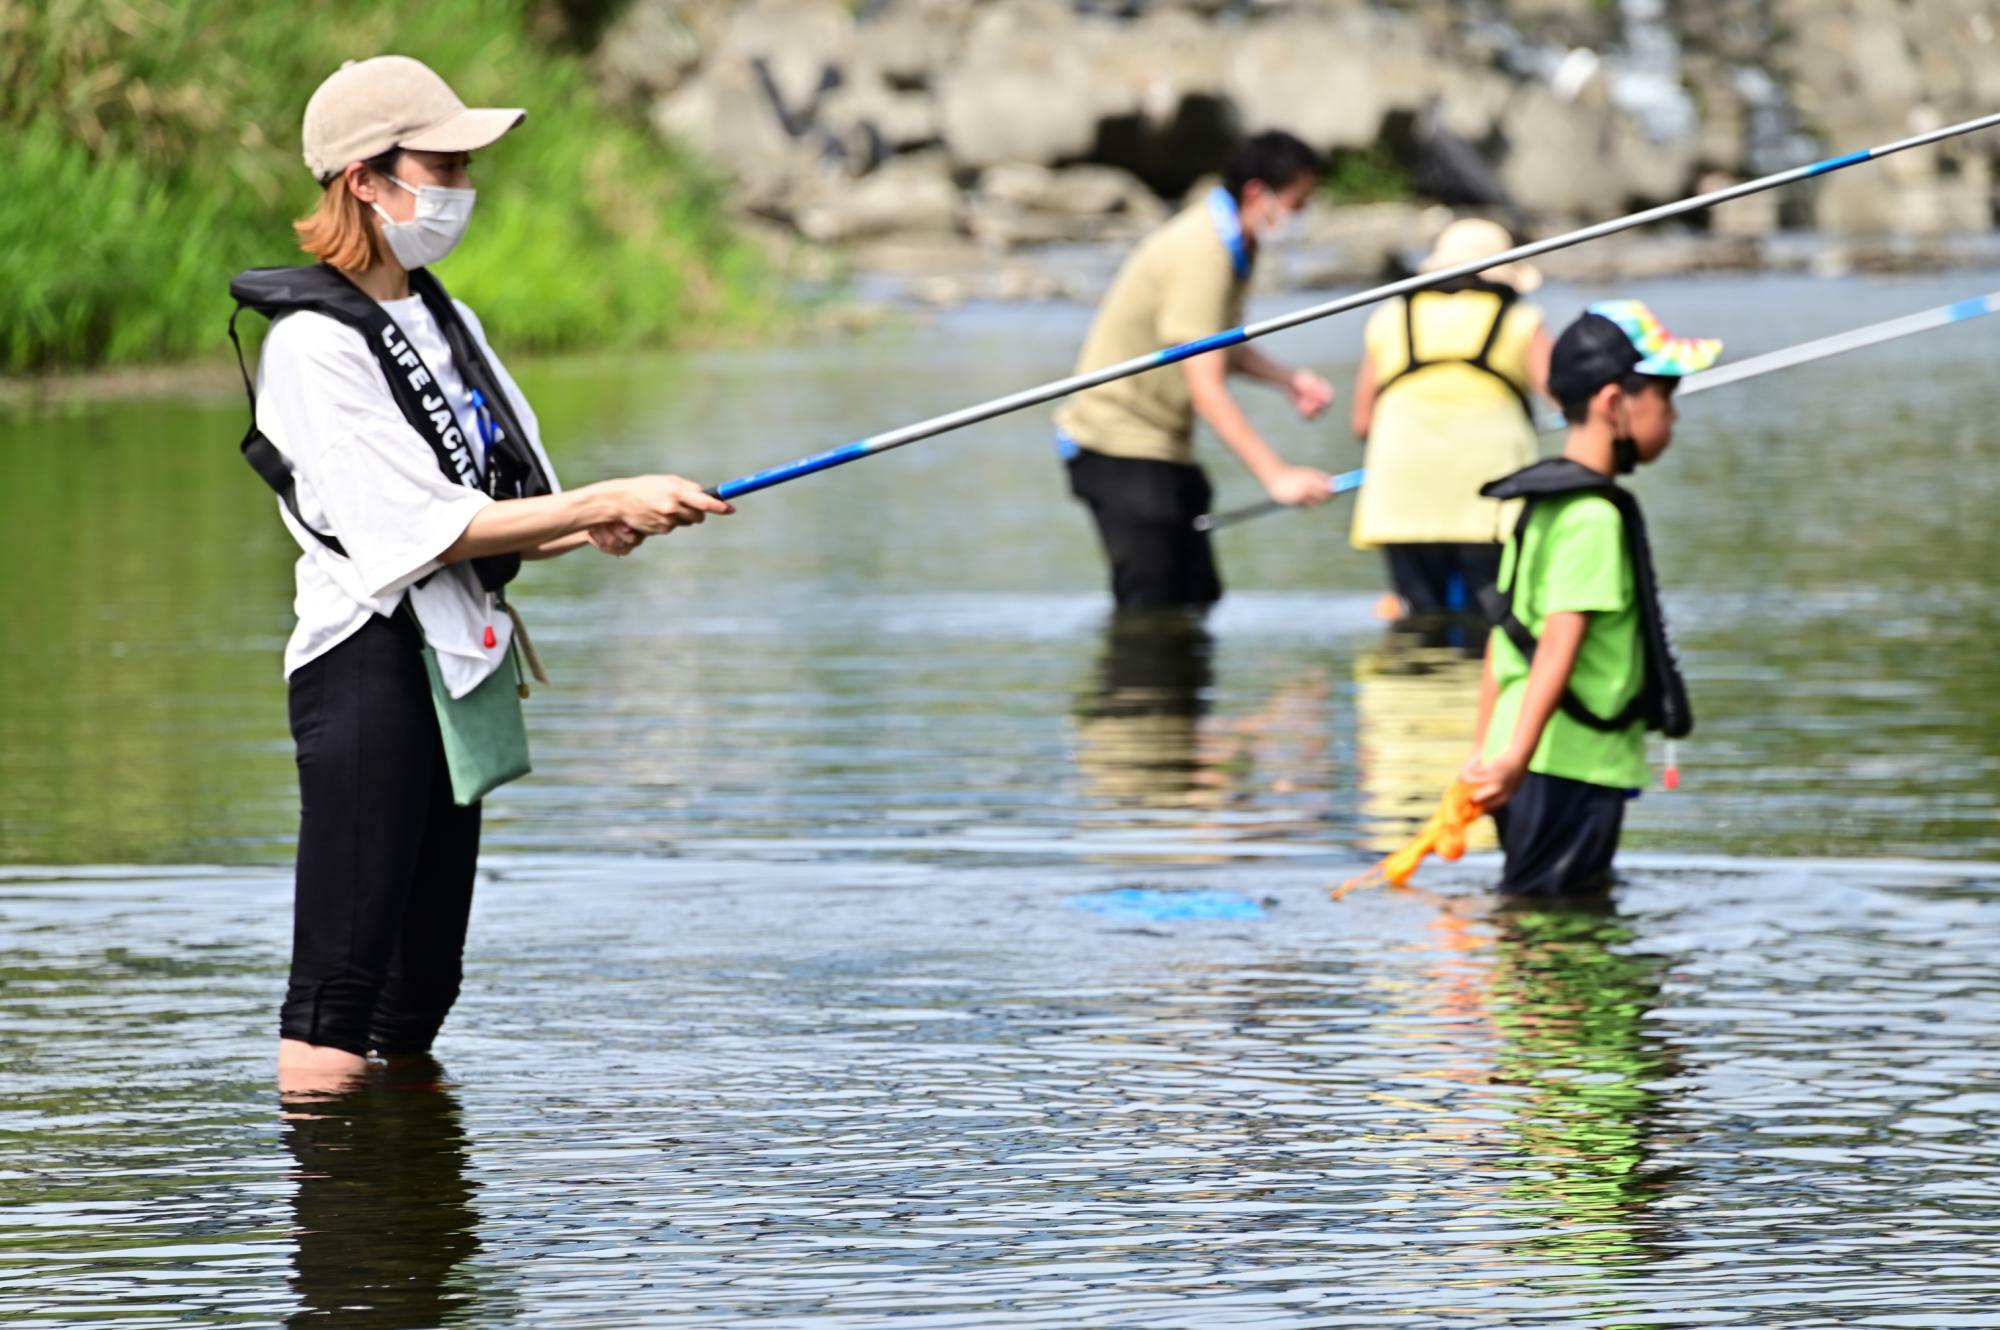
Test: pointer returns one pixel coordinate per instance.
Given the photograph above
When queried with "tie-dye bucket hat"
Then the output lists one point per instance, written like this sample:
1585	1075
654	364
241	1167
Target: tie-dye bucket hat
1618	338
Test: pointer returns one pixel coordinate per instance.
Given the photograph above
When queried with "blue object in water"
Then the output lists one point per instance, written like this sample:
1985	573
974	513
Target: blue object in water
1145	903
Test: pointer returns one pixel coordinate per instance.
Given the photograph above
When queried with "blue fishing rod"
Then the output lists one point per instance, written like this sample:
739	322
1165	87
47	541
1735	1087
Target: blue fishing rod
1804	353
1049	392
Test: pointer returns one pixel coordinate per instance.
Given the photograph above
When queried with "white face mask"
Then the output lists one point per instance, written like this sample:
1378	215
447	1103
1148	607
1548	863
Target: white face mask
1280	232
439	224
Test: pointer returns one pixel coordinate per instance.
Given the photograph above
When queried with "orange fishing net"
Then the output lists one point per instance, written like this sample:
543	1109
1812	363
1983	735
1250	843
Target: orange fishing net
1443	835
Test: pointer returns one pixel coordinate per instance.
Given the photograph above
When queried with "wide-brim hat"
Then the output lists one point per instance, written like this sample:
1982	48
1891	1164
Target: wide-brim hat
1471	239
367	107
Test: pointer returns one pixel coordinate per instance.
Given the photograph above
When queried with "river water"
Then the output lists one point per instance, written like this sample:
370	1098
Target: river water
820	974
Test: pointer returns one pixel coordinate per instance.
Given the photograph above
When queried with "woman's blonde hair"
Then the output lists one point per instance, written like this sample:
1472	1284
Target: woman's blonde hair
339	231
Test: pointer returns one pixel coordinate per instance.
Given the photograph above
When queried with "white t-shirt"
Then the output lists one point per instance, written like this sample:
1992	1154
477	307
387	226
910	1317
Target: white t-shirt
369	480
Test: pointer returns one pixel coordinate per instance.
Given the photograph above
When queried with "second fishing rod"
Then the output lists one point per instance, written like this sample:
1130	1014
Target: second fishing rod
1173	355
1805	353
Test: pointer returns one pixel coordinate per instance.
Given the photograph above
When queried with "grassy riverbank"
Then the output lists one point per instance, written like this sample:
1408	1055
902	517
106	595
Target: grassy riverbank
154	152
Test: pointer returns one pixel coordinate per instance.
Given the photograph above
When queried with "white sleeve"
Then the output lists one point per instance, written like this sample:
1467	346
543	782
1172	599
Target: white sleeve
522	411
323	400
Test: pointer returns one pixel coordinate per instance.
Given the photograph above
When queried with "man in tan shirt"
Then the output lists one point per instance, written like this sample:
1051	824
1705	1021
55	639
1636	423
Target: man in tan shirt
1130	444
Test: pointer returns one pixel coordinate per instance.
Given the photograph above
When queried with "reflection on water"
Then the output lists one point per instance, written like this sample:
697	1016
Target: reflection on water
1415	701
779	1010
1756	1094
1569	998
384	1216
1138	727
1149	744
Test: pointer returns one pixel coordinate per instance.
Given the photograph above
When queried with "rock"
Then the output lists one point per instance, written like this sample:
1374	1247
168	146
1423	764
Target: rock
754	109
873	119
1912	194
1163	105
1558	156
1471	103
1021	204
725	115
1646	170
1023	90
1755	217
1334	84
1074	191
912	195
1359	243
909	42
806	45
1722	137
648	52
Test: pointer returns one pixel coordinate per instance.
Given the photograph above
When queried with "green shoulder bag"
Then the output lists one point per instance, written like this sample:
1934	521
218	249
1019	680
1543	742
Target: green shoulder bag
485	735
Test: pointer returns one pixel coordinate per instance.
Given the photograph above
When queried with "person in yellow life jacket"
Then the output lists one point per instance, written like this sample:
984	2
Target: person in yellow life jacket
1445	401
1129	445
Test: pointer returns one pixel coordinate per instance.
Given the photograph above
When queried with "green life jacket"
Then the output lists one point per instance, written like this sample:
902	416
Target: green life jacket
1662	699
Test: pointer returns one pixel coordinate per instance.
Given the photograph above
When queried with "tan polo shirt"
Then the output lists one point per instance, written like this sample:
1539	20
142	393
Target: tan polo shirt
1179	284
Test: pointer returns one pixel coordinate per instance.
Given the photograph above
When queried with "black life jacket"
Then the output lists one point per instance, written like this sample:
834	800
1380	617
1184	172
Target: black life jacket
1482	360
1662	700
512	471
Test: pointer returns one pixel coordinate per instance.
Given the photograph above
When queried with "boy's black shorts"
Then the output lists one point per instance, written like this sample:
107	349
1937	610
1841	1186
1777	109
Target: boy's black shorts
1145	515
1559	836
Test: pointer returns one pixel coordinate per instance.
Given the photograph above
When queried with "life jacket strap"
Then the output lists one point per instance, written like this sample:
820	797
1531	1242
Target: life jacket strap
264	457
1499	611
1661	701
511	470
1482	360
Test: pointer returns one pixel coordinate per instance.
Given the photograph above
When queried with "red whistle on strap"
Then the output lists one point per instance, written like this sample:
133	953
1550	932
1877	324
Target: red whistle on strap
490	640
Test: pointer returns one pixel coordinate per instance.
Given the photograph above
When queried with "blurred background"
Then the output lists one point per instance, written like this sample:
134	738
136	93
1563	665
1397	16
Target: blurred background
688	160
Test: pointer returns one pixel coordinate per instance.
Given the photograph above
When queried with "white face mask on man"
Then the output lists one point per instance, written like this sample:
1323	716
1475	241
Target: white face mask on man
439	224
1280	230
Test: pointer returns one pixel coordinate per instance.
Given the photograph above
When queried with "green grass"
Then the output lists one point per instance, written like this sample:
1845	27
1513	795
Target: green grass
152	150
1366	175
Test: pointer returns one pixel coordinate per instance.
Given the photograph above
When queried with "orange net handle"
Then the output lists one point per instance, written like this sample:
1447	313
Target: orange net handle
1443	835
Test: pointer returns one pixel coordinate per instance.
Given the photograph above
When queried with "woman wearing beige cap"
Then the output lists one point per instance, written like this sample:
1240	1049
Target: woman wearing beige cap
1445	401
411	473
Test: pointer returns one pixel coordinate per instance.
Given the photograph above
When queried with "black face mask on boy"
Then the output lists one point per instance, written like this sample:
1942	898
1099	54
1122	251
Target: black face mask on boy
1624	448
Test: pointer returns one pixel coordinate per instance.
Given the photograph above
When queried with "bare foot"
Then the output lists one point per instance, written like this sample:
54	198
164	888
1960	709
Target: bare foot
308	1069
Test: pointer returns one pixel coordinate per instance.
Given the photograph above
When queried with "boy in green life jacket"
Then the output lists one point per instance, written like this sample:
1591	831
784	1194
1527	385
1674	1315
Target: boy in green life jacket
1582	664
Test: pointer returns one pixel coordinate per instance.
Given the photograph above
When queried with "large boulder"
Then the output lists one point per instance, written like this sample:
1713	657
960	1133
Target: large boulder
1163	105
725	114
873	119
1559	155
1946	191
1024	204
647	52
754	108
913	195
1332	81
1073	191
1024	89
909	43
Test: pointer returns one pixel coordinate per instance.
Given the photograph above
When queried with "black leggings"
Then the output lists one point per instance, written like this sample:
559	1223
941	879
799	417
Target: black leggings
386	859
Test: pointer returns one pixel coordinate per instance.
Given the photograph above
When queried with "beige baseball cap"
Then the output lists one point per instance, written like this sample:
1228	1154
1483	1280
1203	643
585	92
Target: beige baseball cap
367	107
